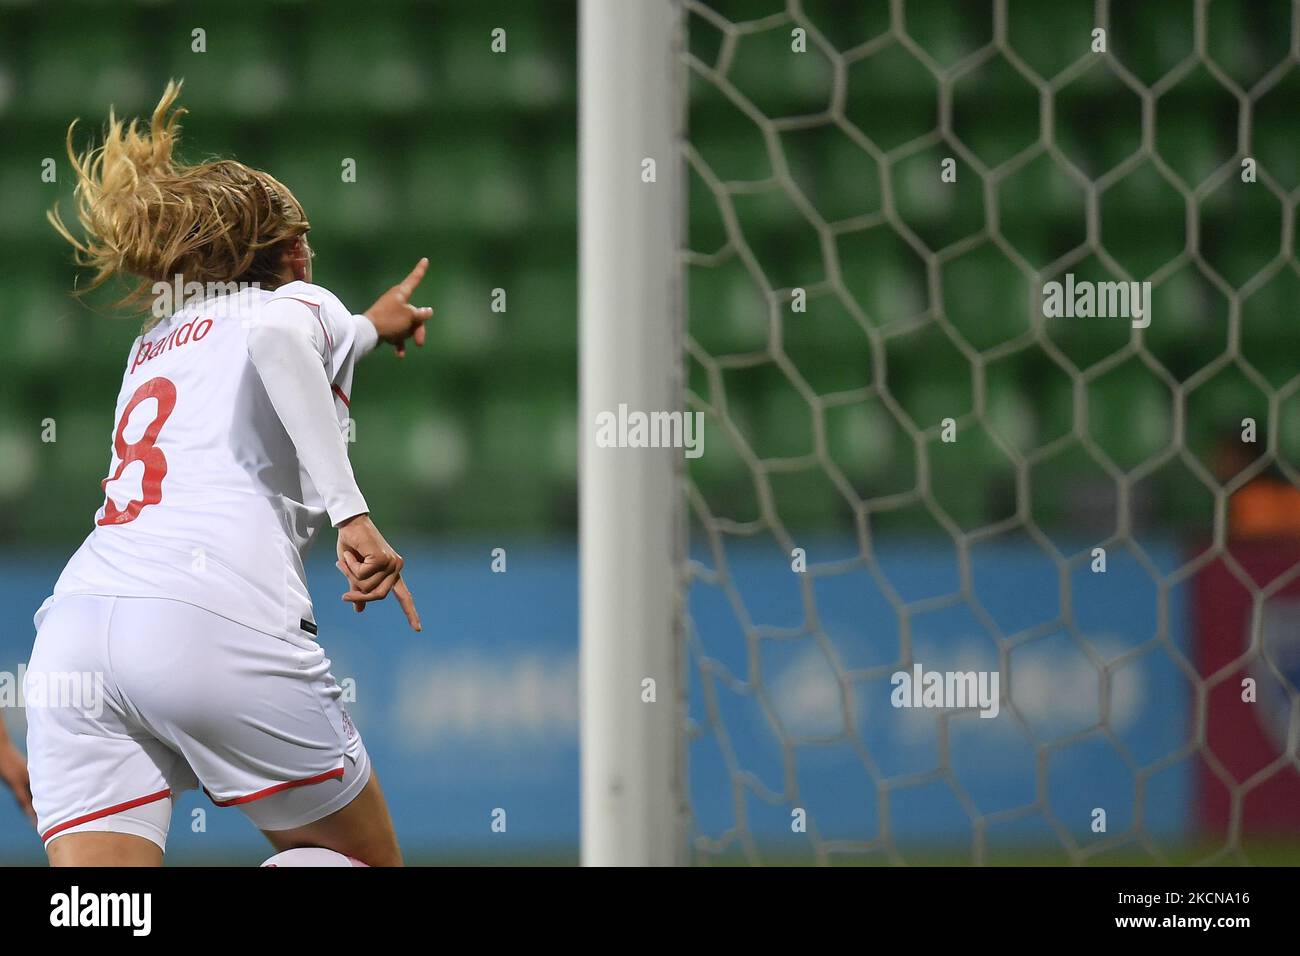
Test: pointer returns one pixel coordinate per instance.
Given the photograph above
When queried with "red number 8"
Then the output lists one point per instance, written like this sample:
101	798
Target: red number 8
155	462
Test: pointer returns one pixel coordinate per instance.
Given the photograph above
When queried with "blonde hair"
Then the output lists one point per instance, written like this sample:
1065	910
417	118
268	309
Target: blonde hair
148	216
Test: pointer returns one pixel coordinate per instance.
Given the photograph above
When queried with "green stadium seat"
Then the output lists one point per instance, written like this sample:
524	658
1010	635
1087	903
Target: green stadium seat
75	74
730	313
384	72
1130	414
1049	38
779	81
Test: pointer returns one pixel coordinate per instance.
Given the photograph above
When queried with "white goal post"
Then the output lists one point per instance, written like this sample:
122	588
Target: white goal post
913	460
630	350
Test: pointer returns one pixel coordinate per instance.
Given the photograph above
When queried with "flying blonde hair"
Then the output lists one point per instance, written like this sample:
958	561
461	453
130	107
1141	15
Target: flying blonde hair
148	217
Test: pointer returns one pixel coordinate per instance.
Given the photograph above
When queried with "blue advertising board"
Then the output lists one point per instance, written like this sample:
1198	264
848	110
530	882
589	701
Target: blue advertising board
798	709
478	714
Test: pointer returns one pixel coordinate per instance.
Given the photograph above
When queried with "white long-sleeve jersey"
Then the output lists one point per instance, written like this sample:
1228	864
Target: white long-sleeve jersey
228	457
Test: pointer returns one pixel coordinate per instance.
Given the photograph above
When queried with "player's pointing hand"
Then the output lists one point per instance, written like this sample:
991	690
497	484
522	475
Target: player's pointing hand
372	568
395	318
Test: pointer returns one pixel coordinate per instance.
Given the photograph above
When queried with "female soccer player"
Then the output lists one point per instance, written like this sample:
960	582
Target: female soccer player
186	608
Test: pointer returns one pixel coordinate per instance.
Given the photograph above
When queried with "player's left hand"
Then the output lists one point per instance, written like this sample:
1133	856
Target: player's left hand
399	590
13	771
372	568
394	318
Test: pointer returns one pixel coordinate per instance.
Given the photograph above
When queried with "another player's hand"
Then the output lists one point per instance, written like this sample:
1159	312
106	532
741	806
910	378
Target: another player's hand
372	568
395	318
13	771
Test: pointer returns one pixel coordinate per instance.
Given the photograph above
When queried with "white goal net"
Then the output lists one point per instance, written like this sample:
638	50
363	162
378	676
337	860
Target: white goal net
913	466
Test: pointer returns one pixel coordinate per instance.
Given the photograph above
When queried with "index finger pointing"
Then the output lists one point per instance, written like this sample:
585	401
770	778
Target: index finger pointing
408	284
403	595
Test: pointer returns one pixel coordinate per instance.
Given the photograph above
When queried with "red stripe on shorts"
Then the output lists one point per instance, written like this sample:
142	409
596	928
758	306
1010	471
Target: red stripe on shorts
319	778
100	814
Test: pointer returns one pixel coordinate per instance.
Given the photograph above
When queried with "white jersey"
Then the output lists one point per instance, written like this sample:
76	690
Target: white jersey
205	499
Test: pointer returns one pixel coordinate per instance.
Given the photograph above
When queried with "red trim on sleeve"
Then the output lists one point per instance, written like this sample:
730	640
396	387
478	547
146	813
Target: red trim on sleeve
280	787
108	812
339	392
315	310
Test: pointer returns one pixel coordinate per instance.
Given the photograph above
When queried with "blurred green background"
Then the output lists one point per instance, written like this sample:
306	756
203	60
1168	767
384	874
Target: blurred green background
470	157
463	155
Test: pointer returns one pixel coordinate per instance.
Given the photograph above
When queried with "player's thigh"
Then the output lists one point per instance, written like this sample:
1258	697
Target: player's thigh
362	829
134	834
101	784
257	717
93	848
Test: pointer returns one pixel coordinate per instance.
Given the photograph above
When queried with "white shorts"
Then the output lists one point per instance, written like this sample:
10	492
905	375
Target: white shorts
133	700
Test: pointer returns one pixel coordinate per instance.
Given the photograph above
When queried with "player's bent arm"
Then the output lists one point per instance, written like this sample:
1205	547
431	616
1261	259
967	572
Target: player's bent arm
286	349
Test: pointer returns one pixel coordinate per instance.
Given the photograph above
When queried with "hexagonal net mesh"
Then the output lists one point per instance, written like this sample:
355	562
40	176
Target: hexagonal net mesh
1099	510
